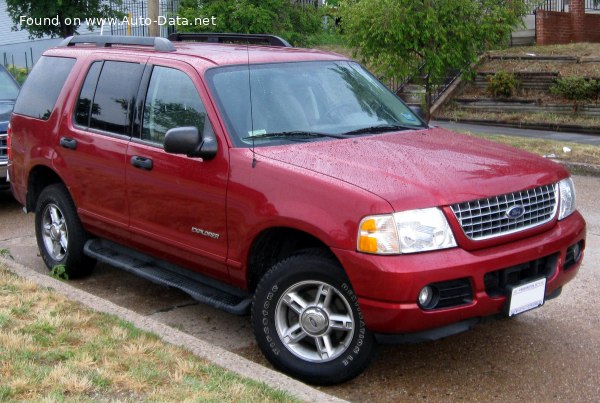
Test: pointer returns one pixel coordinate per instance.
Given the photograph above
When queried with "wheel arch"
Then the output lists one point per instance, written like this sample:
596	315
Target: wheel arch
275	244
39	178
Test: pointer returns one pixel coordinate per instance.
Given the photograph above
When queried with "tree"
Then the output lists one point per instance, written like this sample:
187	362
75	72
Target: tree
403	38
279	17
58	17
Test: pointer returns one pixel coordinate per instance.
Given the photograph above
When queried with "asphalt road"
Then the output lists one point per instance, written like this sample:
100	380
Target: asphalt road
549	354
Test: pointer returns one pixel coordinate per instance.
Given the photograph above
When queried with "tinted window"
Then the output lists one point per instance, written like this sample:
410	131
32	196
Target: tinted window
42	87
171	101
8	88
84	103
115	96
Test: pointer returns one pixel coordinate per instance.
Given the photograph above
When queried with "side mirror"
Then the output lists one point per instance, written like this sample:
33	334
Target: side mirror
417	110
186	140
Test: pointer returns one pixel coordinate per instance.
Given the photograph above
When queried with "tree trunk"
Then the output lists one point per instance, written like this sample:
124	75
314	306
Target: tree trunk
427	98
153	28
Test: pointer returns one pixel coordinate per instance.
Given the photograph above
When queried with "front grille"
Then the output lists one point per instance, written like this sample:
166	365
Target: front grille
3	146
497	281
488	218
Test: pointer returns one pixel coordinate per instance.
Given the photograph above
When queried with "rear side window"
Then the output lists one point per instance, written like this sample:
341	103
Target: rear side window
84	103
107	97
42	87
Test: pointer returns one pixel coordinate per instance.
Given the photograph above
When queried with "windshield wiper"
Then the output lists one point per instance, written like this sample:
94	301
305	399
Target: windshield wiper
382	129
294	133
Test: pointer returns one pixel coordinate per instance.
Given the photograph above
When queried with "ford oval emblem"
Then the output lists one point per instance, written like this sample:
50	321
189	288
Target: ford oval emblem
515	212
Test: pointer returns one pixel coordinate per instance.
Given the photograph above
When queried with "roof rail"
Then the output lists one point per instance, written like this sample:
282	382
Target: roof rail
105	41
256	39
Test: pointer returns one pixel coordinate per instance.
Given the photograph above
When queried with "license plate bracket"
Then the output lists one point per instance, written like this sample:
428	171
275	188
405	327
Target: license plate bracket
526	296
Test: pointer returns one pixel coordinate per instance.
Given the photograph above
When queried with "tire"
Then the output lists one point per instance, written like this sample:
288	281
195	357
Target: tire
59	233
308	323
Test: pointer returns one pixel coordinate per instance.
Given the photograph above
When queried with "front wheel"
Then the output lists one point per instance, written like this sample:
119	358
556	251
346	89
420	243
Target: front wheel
60	235
308	323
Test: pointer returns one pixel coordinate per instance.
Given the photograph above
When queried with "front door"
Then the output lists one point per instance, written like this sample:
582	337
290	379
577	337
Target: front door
176	203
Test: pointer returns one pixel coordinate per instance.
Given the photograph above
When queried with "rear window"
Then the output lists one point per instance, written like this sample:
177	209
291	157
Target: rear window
42	87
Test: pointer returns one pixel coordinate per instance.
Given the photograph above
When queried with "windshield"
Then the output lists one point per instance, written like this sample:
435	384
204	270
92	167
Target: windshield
330	99
8	89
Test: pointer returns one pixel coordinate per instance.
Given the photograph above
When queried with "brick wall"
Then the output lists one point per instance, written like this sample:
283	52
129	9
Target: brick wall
553	27
592	28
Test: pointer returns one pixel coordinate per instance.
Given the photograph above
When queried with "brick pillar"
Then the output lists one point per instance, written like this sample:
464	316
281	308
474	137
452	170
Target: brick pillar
540	27
577	9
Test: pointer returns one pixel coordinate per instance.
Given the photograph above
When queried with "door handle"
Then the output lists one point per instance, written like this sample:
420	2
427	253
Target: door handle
69	143
141	162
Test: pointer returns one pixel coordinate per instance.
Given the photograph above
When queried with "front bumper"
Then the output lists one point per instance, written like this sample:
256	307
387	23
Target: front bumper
388	286
3	172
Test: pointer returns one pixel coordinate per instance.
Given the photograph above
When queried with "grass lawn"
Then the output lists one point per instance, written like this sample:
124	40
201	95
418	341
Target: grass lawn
579	153
544	97
55	349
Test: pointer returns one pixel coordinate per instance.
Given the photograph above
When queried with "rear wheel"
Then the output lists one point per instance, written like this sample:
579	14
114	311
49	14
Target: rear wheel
308	323
60	235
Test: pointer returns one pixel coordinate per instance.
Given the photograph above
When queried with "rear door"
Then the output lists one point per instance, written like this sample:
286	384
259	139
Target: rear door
176	203
94	149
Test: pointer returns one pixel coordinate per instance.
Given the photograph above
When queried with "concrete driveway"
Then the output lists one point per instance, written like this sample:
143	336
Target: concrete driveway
549	354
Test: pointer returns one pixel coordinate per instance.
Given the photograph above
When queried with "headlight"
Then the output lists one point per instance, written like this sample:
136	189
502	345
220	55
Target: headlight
566	189
405	232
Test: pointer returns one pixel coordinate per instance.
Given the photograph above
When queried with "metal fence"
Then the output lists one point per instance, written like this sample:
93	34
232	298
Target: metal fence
136	12
559	5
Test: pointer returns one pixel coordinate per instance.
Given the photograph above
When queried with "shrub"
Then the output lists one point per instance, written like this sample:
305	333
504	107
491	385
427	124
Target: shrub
19	73
502	84
576	88
291	21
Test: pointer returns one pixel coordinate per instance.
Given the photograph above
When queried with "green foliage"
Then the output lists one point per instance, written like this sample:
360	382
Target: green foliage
397	37
280	17
62	10
6	253
576	88
19	73
502	84
59	272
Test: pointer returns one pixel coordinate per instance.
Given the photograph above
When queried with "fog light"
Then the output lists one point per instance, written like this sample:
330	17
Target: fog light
576	252
425	296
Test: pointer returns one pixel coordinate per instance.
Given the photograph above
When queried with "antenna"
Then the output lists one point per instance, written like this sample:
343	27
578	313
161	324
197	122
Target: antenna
251	111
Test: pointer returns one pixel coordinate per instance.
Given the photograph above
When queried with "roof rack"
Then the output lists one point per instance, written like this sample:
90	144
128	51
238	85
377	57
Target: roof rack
105	41
255	39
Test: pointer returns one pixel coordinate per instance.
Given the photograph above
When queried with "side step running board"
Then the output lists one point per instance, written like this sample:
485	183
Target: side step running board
202	289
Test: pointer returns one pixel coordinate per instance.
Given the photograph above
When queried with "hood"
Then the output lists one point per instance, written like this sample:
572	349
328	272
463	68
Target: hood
424	168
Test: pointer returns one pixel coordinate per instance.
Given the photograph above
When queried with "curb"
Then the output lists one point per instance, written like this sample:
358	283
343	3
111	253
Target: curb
198	347
579	168
526	125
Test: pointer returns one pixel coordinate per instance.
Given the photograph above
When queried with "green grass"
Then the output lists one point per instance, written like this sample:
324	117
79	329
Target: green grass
457	113
54	349
573	49
579	153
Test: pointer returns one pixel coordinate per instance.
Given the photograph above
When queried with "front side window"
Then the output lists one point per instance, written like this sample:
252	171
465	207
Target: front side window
314	99
171	101
43	86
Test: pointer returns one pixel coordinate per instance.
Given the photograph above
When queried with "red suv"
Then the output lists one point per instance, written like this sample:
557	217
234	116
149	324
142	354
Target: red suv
286	182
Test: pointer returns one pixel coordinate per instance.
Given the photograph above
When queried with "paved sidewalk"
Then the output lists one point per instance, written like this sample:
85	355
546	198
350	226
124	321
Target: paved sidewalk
201	348
510	131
